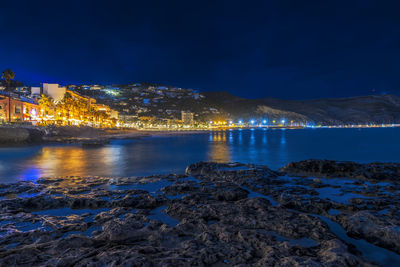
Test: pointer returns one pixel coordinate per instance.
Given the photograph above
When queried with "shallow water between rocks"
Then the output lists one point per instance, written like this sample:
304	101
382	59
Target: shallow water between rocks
336	190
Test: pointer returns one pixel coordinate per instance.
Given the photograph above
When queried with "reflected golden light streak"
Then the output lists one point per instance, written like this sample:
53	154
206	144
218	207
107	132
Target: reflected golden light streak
219	148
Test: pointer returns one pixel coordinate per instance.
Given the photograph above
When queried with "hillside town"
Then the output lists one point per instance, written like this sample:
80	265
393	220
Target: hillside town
136	105
98	106
95	106
148	106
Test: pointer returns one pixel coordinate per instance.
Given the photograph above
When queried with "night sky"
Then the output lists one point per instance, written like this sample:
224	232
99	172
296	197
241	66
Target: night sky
285	49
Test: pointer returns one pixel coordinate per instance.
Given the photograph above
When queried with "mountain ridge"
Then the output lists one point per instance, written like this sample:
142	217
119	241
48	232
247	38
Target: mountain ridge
370	109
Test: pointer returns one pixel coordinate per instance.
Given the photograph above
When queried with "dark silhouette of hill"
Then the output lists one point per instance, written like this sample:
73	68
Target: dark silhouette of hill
352	110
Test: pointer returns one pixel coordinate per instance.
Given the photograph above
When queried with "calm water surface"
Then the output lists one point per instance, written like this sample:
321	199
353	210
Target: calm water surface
170	154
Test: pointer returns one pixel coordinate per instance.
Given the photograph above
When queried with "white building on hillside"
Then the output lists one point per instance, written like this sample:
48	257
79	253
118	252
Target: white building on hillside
54	91
35	91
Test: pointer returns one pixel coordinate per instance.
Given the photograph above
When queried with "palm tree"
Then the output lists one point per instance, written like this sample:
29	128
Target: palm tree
8	75
45	105
68	106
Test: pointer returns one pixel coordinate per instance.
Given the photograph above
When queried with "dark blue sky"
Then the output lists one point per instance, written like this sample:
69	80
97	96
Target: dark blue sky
286	49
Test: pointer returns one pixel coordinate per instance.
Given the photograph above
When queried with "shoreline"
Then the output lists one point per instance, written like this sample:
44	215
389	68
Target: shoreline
326	213
19	136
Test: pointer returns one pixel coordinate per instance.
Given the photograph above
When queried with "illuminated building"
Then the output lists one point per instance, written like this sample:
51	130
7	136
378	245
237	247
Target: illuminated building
187	118
21	109
35	91
54	91
66	107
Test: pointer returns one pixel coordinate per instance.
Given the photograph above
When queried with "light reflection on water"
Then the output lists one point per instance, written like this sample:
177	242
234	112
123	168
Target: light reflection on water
147	156
219	147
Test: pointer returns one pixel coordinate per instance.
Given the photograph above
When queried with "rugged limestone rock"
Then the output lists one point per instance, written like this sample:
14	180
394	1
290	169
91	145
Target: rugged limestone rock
329	168
213	168
219	214
382	231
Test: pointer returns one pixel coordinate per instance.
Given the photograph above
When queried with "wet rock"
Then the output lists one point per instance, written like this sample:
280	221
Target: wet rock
328	168
221	214
73	241
212	168
230	194
380	231
335	253
137	201
129	229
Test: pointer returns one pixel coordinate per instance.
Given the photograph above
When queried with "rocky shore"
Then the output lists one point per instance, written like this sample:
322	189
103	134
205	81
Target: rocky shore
213	215
28	134
20	135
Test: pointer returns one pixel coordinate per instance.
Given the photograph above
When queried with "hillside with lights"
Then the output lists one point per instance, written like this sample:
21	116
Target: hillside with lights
375	109
147	105
145	100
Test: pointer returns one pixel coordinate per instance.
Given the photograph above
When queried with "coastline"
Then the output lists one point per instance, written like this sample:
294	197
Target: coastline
21	135
214	214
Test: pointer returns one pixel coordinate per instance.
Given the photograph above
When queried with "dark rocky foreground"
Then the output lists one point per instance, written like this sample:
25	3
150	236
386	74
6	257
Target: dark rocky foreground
215	215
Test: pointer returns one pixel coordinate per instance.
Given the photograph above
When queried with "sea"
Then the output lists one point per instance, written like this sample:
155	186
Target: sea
165	154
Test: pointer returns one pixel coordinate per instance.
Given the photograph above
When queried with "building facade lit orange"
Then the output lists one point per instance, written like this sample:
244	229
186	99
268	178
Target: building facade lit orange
20	110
